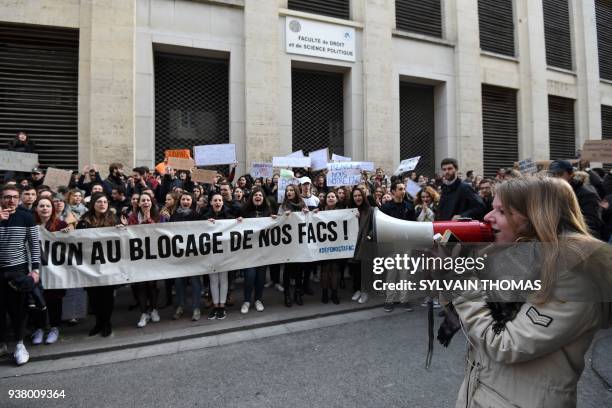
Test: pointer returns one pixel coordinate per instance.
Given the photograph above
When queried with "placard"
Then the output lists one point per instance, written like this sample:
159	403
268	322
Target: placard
264	170
286	178
299	153
412	188
291	161
407	165
319	159
362	166
318	39
528	166
55	178
180	164
343	177
181	153
597	150
214	155
16	161
338	158
203	176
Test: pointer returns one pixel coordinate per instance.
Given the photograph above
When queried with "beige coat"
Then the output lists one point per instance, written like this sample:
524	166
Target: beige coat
539	357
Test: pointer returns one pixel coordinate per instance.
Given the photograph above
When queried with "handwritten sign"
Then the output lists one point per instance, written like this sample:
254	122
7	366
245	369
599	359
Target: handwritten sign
204	176
338	158
319	159
213	155
286	178
528	166
181	153
55	178
363	166
18	161
180	163
261	170
291	161
597	150
343	177
407	165
412	188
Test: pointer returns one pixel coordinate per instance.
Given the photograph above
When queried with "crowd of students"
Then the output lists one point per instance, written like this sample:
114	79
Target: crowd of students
143	196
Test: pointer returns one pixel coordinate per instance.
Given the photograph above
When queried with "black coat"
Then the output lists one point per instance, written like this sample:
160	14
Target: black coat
402	211
589	205
460	199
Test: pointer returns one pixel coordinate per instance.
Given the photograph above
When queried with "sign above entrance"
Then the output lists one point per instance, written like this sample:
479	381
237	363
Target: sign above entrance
319	39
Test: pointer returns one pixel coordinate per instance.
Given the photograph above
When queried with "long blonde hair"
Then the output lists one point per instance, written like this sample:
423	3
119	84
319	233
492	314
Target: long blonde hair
553	217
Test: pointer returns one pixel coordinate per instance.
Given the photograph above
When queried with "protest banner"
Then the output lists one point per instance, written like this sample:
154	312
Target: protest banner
213	155
597	150
204	176
412	188
261	170
18	161
362	166
180	153
178	163
55	178
319	159
286	161
343	177
528	166
138	253
407	165
338	158
299	153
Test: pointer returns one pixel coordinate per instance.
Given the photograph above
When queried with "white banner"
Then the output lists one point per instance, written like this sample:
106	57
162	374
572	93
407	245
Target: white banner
291	161
338	158
213	155
299	153
320	39
18	161
261	170
114	256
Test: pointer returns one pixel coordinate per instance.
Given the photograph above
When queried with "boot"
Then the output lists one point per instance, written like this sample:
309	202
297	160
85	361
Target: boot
334	297
324	296
297	297
287	298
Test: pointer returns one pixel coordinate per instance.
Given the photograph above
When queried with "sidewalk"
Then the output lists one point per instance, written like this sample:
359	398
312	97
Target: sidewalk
74	341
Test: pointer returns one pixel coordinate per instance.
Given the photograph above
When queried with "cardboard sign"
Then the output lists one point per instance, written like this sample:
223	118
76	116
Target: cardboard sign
204	176
55	178
407	165
214	155
261	170
180	153
343	177
319	159
291	161
18	161
597	150
528	166
338	158
180	164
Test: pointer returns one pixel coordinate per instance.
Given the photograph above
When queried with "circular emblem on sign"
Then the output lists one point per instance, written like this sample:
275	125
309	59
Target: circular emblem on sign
295	26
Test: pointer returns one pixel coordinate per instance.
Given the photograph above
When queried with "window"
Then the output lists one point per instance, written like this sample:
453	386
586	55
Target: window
419	16
499	128
417	133
496	21
561	128
331	8
557	33
603	14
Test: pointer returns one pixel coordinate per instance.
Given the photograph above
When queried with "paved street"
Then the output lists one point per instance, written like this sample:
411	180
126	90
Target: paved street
372	363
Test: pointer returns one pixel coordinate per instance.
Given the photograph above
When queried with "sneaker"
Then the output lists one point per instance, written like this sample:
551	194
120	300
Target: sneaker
268	284
3	349
52	336
155	316
407	307
212	315
279	287
37	337
363	298
221	314
388	307
356	296
21	354
178	313
245	308
144	319
196	315
259	306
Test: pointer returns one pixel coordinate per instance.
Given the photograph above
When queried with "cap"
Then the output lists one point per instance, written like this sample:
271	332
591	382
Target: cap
36	170
305	179
560	166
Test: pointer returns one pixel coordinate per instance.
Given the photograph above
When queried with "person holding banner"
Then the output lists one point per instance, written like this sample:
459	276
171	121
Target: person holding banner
330	270
21	144
365	215
254	278
219	282
102	298
146	292
293	202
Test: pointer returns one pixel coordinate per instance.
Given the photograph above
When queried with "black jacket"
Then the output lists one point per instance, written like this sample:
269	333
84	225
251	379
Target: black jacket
180	216
224	214
402	211
459	199
589	205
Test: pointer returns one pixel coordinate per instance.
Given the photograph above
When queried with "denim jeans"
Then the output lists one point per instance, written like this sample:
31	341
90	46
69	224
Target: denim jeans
196	291
254	277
